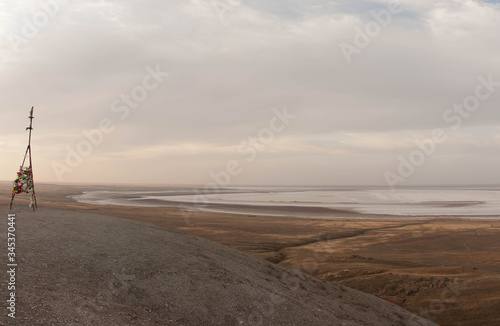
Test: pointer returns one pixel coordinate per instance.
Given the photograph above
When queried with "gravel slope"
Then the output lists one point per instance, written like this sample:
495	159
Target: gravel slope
84	269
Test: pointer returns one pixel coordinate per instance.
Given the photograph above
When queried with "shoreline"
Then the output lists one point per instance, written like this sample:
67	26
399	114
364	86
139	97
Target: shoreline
291	212
319	213
370	206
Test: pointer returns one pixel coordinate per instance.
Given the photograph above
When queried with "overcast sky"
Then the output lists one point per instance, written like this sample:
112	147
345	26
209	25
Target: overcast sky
363	92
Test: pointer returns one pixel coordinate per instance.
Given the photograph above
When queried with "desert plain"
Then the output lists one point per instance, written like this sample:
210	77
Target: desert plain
446	270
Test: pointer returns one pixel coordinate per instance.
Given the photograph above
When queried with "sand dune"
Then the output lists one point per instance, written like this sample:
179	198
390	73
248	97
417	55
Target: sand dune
78	268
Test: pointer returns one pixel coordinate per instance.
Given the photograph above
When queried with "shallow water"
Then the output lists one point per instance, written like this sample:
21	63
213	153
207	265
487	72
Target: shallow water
474	202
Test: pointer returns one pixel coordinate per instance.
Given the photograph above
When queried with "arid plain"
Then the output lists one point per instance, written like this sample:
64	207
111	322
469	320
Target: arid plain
444	269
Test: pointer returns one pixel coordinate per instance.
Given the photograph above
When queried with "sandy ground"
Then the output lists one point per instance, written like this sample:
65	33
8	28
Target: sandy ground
446	270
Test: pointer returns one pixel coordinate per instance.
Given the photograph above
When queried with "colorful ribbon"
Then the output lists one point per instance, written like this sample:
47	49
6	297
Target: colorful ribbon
24	181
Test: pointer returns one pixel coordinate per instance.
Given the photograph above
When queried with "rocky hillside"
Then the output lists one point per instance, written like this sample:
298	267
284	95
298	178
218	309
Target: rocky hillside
84	269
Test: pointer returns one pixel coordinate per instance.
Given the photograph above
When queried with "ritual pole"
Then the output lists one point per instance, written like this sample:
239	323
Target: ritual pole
33	203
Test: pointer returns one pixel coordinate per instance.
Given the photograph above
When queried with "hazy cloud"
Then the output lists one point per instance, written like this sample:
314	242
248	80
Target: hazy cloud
352	121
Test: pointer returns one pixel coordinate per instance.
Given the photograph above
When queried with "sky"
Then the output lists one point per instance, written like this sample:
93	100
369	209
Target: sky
252	92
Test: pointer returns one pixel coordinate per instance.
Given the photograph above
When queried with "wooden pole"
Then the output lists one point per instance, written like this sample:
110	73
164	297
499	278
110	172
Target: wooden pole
28	154
33	194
